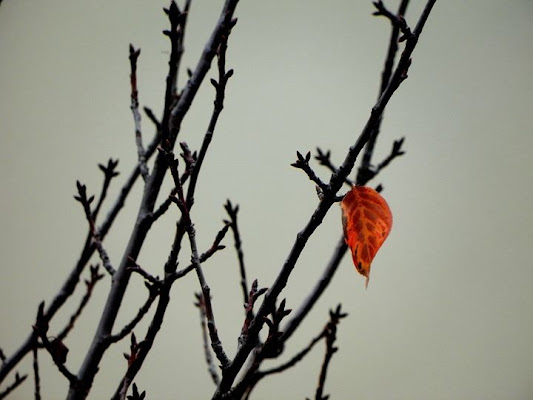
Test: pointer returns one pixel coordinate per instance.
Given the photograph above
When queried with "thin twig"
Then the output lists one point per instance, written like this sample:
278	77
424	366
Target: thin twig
396	151
319	288
153	292
180	48
134	55
177	25
254	295
220	89
180	201
216	246
131	357
37	379
330	333
134	267
163	207
18	381
150	114
303	164
366	163
294	360
325	160
86	203
89	286
135	394
56	348
109	173
233	212
211	367
397	21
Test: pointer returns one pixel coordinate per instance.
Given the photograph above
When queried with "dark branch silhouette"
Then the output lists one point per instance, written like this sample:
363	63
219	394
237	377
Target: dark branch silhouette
268	323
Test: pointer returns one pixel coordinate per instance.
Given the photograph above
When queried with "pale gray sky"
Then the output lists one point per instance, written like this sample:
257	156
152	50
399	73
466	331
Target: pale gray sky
447	314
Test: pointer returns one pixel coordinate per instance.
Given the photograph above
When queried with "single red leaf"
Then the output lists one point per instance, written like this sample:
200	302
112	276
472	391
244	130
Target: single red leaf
367	221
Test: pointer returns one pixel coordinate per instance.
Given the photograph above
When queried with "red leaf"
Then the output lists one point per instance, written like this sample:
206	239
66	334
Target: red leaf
367	221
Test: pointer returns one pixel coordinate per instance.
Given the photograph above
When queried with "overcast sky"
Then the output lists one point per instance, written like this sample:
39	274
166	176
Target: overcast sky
447	314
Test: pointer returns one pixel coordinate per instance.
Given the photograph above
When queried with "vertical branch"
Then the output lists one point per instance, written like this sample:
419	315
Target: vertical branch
220	89
134	55
232	212
180	42
177	25
330	333
207	352
366	162
37	379
180	201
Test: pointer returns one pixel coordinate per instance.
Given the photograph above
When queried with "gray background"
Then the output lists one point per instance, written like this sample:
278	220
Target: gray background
447	314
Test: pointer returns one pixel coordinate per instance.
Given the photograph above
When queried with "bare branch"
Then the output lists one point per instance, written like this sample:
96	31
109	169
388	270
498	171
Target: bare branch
255	293
150	114
153	292
330	333
109	173
177	20
220	89
86	203
320	286
136	395
216	344
89	286
294	360
303	164
56	348
216	246
366	164
37	379
336	181
325	160
134	55
69	285
211	368
163	208
18	381
232	212
397	21
134	267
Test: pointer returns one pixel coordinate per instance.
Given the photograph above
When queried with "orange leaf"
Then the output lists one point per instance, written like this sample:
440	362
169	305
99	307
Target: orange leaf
367	221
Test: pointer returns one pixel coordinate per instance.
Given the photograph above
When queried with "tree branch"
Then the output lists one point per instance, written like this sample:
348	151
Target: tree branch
18	381
89	286
330	333
69	285
336	181
180	201
303	164
153	292
211	368
134	55
143	223
366	164
233	212
56	348
36	376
